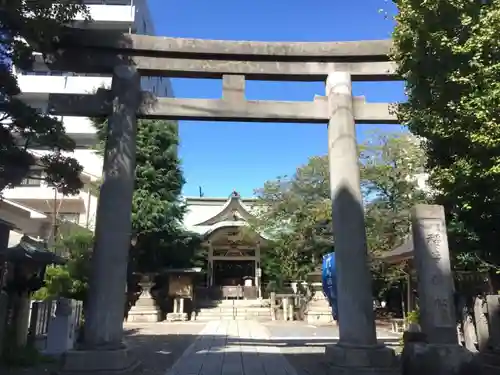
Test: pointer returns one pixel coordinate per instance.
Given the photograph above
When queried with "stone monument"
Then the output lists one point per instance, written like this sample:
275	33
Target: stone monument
61	335
439	351
481	323
490	353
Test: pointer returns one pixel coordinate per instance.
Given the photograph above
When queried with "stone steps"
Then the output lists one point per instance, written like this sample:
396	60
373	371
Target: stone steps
208	318
242	310
238	313
236	304
230	313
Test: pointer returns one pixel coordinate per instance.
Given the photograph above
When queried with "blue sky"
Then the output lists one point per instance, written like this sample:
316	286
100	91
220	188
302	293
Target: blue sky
223	156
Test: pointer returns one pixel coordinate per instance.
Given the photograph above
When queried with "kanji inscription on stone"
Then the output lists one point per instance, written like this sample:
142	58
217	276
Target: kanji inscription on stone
433	241
435	279
442	313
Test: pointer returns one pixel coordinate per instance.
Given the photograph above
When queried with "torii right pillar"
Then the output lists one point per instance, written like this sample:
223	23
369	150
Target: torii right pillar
357	351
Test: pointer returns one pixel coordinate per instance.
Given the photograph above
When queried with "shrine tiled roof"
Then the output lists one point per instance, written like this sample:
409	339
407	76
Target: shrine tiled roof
206	214
29	249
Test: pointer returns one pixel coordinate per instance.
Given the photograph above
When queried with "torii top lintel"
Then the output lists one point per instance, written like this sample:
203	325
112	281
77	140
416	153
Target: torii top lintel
99	51
348	51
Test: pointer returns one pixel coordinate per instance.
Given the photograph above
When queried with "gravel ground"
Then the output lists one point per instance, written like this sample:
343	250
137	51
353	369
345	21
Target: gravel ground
156	345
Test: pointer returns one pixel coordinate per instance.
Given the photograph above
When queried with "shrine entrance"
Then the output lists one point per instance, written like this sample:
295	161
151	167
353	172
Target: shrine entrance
233	264
233	272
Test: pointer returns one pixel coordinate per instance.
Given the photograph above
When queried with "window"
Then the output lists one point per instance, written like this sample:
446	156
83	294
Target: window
34	179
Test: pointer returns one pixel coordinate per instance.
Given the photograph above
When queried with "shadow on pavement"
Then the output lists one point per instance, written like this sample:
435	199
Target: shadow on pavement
158	351
159	347
216	354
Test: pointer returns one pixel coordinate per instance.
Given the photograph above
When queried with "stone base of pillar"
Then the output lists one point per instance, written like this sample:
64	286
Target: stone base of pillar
87	362
175	317
365	360
452	359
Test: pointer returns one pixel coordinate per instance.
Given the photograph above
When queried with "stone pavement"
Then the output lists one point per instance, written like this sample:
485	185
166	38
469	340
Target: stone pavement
159	345
227	348
232	348
303	345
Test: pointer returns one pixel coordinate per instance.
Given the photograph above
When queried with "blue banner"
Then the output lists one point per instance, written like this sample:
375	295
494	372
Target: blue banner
330	282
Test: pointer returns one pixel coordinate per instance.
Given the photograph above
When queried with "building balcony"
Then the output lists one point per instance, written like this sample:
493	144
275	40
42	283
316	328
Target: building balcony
78	209
44	198
110	15
38	85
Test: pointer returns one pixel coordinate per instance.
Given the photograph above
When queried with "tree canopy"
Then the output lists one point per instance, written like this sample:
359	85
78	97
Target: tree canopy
390	166
296	214
447	52
158	210
70	280
296	210
24	24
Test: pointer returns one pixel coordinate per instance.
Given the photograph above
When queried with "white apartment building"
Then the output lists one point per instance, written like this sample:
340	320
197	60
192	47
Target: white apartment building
38	200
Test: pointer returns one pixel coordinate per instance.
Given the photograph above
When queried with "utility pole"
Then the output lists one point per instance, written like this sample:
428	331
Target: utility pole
54	221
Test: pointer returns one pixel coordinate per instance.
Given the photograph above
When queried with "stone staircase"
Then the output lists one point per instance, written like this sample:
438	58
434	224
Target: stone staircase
234	310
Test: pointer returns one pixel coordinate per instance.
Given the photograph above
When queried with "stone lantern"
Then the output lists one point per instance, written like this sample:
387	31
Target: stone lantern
24	274
145	308
319	310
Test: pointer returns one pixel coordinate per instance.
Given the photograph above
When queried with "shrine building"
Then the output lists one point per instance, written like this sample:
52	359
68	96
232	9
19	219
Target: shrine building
233	248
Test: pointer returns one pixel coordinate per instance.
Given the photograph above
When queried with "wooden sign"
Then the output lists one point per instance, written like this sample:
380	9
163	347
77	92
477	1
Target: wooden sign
180	286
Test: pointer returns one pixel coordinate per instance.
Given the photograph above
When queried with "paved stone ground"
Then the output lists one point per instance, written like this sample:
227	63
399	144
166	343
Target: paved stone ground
247	347
304	345
228	347
159	345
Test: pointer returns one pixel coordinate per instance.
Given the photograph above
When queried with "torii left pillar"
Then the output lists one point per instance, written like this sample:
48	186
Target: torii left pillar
103	350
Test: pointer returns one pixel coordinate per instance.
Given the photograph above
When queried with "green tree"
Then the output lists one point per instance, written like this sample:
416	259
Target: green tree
158	210
447	52
70	280
296	211
296	214
390	164
24	24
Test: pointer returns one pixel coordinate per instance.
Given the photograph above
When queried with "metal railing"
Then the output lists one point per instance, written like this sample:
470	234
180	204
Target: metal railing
40	314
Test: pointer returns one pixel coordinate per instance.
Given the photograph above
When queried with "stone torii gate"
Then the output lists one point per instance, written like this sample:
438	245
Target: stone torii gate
127	57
